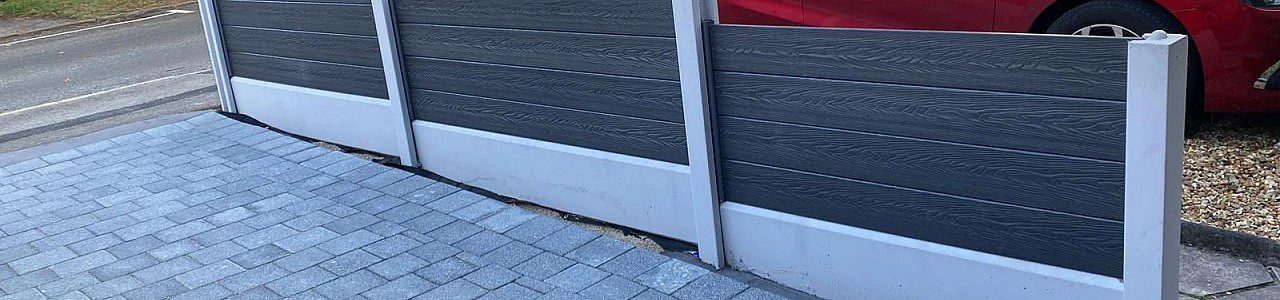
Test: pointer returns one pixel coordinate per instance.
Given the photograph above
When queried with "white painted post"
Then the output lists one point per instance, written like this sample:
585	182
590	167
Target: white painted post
698	117
392	66
217	54
1153	165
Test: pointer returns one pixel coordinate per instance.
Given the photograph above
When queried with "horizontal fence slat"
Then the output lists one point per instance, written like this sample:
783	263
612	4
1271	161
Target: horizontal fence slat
315	17
631	17
637	137
310	74
1056	183
647	57
636	97
1070	66
1067	126
1084	244
343	49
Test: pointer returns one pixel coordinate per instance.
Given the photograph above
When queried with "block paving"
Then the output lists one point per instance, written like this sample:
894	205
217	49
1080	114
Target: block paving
213	208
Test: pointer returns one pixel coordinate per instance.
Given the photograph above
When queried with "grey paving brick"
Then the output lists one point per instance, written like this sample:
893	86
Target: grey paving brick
306	154
651	294
68	284
380	204
27	280
633	263
112	287
511	254
310	220
16	252
298	282
348	242
455	232
577	277
402	288
404	212
350	262
26	165
217	252
710	286
112	224
535	229
265	236
306	239
258	293
479	210
456	290
21	238
431	193
303	259
229	216
290	147
268	219
335	189
613	287
209	273
599	251
397	266
340	210
407	185
175	249
363	173
670	275
566	239
428	222
275	202
211	291
82	263
455	201
62	239
483	242
543	265
434	251
389	229
145	228
447	270
222	234
253	277
350	285
755	293
202	196
351	223
183	231
191	214
506	219
233	200
259	256
312	204
492	276
68	224
156	290
41	260
156	211
357	196
166	270
338	167
392	246
123	267
28	224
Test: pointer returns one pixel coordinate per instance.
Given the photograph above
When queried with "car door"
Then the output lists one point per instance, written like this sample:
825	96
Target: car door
963	15
761	12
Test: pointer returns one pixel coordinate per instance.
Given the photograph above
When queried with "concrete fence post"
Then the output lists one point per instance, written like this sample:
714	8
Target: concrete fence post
393	68
699	116
1157	80
217	54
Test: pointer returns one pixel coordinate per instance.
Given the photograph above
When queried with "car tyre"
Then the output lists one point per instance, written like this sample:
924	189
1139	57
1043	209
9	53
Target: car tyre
1139	17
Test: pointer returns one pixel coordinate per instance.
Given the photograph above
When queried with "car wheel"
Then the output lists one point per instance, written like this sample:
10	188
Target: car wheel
1132	18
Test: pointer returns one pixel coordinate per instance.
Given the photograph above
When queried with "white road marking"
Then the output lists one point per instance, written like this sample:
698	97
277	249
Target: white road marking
171	12
72	99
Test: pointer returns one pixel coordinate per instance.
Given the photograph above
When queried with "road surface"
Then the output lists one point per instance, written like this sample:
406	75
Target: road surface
55	87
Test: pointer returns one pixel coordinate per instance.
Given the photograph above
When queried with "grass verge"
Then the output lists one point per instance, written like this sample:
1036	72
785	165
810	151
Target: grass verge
76	9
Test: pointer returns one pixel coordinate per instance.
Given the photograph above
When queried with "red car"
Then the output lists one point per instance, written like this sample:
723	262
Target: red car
1236	43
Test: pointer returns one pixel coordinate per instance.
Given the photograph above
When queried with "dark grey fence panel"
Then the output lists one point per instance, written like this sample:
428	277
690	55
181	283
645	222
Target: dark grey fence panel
334	48
628	17
328	45
639	137
356	80
1006	144
610	94
638	56
1034	64
300	16
1035	235
599	74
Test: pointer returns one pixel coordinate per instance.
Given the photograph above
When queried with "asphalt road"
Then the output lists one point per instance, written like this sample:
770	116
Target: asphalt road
82	81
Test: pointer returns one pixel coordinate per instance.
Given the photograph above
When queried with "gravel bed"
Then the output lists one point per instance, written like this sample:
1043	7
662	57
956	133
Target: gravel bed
1231	180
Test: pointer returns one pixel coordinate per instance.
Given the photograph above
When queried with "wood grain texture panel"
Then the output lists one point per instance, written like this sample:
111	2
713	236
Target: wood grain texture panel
629	17
354	80
1037	64
1067	241
343	49
315	17
648	57
1049	124
637	137
628	96
1057	183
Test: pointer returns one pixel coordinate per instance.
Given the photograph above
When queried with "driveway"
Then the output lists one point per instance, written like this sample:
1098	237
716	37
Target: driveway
212	208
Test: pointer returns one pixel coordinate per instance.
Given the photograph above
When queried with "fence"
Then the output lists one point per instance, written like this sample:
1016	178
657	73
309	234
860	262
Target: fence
847	163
